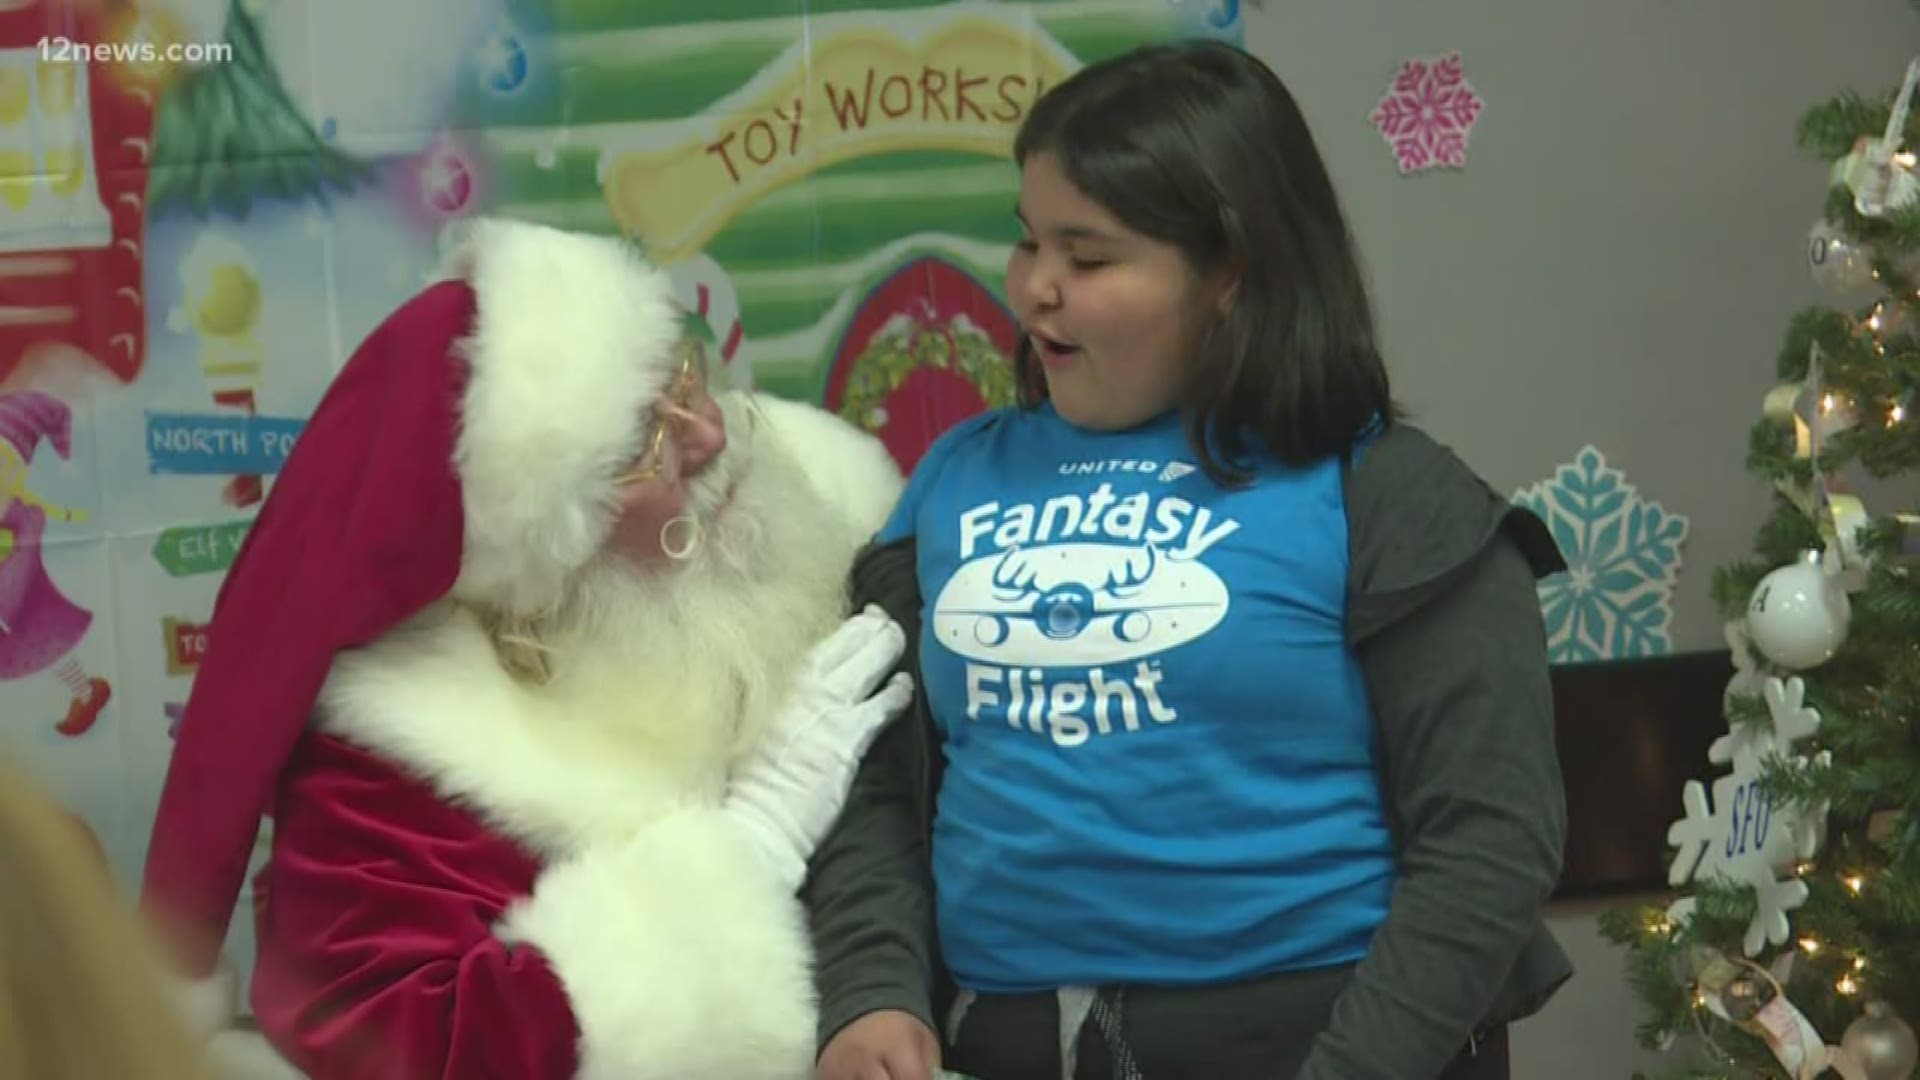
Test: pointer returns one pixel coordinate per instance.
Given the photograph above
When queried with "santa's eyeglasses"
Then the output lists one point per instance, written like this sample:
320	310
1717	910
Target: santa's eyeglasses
661	460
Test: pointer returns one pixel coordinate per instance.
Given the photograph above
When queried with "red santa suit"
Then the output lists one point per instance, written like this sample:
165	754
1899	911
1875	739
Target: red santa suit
476	874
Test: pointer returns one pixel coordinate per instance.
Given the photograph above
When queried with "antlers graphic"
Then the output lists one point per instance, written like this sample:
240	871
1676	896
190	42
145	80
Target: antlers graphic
1119	587
1015	582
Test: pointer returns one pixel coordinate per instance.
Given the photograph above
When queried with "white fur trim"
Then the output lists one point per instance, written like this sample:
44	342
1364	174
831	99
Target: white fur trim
434	698
681	955
653	910
209	1005
246	1055
573	339
850	467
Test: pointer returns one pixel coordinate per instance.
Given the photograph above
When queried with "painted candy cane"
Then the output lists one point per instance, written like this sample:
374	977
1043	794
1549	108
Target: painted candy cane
705	290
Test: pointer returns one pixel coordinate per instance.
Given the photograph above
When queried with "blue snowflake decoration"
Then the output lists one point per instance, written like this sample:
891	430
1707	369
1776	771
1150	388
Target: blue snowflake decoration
503	63
1615	600
1221	14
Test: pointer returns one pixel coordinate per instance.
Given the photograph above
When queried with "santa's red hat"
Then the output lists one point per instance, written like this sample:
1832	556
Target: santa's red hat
468	451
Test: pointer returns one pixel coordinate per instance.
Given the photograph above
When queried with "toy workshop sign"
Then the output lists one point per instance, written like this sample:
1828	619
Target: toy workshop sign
964	85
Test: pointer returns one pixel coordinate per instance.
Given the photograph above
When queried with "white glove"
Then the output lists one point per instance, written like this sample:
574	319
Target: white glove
788	792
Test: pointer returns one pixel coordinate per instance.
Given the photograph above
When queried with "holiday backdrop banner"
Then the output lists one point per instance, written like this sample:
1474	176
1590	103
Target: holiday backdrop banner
205	205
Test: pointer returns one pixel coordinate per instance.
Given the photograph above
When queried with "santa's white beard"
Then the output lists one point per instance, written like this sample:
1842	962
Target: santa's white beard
692	655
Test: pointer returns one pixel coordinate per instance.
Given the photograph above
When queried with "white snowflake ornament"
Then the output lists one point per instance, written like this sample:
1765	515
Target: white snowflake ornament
1741	836
1746	662
1791	720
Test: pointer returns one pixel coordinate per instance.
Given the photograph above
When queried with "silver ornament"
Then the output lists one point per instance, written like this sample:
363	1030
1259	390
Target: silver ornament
1836	261
1882	1043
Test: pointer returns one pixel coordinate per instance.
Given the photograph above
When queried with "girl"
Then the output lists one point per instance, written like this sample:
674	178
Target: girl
81	990
1234	751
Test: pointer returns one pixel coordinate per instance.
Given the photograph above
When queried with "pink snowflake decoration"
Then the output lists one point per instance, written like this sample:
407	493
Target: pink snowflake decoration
1428	114
446	181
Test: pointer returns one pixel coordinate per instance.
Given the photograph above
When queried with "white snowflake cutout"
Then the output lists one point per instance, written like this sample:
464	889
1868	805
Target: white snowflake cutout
1741	836
1770	923
1792	721
1810	828
1702	833
1746	661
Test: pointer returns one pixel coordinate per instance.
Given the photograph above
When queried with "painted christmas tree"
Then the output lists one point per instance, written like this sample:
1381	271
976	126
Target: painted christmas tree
1793	948
228	132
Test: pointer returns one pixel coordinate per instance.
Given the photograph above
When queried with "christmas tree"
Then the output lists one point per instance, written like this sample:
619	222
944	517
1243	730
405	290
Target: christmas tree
1793	949
229	131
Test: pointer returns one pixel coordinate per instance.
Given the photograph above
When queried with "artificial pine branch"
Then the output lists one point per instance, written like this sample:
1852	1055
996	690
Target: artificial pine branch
1858	932
229	133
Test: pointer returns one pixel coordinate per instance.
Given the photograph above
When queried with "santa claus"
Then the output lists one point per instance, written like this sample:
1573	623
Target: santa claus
537	657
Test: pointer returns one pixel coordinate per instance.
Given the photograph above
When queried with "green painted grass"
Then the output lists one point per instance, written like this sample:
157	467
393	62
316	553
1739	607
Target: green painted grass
831	216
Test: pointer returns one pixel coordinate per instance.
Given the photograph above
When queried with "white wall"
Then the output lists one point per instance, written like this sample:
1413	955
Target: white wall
1614	266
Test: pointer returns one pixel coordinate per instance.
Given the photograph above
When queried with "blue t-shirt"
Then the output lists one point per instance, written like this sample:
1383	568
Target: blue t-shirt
1159	748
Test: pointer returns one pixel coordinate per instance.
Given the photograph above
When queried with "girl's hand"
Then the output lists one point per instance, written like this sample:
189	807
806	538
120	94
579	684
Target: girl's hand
885	1045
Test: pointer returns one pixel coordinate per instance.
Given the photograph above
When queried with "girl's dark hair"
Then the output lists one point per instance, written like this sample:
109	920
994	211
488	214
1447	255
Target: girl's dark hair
1199	145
